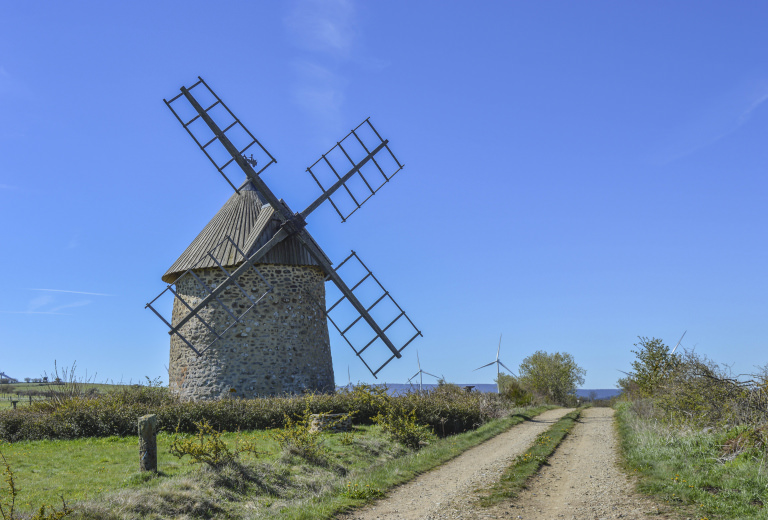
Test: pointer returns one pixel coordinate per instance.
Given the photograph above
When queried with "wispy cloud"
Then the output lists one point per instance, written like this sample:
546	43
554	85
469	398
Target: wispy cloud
325	26
39	302
6	82
760	98
719	119
70	292
321	93
38	306
49	303
324	30
70	305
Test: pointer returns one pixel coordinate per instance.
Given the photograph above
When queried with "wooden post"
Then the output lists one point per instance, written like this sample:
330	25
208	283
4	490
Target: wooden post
148	443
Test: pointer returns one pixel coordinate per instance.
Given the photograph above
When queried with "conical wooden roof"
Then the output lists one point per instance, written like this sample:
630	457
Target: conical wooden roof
250	222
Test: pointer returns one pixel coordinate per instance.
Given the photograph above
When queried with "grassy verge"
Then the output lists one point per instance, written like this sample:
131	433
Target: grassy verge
707	473
527	464
98	477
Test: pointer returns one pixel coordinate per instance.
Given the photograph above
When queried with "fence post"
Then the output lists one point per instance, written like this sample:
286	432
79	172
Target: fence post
148	443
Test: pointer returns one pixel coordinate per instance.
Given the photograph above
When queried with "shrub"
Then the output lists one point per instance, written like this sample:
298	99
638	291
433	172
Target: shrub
402	427
208	447
706	394
297	438
652	368
447	409
511	390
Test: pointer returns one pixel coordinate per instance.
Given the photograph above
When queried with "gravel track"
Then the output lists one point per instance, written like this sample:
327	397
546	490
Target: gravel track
581	481
444	492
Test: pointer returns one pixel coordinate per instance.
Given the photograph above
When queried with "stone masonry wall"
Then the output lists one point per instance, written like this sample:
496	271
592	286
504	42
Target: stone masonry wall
281	345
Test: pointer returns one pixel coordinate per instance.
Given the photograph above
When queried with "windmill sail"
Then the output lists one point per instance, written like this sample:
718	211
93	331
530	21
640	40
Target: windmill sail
364	340
367	164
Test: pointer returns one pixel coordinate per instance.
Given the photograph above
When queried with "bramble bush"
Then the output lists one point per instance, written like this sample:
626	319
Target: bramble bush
297	437
690	388
401	425
207	447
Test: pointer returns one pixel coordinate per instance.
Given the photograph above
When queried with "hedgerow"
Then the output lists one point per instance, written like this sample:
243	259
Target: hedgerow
447	410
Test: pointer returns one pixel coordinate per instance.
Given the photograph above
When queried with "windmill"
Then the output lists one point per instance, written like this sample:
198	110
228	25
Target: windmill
249	305
421	373
498	364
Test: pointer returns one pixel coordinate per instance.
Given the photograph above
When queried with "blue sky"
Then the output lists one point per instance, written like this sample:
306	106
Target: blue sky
577	174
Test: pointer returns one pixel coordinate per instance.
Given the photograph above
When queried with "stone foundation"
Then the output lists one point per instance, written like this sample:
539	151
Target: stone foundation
281	346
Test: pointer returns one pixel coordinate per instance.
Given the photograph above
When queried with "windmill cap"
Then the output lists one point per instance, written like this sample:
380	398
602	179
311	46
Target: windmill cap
249	221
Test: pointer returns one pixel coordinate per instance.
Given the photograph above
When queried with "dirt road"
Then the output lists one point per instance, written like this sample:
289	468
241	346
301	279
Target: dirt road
445	491
582	480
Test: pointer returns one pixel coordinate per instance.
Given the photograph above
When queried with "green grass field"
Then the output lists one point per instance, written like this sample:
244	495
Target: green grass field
84	468
20	392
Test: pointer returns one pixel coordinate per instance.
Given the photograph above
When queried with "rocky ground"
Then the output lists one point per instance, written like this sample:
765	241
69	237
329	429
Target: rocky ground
582	480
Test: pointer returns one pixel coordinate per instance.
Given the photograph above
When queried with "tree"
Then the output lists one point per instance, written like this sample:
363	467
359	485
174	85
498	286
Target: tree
511	389
552	376
652	367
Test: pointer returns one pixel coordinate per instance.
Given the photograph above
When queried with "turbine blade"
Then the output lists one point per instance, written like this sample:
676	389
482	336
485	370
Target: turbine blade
505	366
489	364
627	373
414	375
433	375
498	349
678	343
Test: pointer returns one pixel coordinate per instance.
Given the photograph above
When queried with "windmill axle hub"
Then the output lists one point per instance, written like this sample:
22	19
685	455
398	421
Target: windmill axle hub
294	224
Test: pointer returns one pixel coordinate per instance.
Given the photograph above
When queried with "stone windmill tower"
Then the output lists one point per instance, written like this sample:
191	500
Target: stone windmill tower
281	345
249	311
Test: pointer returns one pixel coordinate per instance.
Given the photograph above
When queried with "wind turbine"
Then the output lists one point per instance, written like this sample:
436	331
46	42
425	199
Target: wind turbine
498	364
421	373
678	343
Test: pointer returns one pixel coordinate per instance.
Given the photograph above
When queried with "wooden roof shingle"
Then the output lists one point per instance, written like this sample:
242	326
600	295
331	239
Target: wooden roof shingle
250	222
